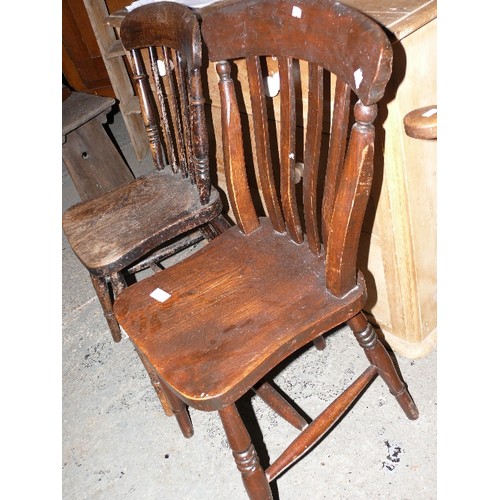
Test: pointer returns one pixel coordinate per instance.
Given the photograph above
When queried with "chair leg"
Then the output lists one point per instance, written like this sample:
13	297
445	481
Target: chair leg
379	357
102	291
245	456
179	410
280	405
155	382
215	227
220	224
319	343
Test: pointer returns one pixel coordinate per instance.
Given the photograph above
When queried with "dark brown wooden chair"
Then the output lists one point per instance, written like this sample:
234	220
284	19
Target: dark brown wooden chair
213	326
143	222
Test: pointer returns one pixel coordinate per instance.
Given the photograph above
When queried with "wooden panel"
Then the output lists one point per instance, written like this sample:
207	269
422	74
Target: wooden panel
405	219
82	63
400	17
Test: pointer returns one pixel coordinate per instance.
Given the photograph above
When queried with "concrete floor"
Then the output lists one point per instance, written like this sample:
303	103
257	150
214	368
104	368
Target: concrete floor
119	444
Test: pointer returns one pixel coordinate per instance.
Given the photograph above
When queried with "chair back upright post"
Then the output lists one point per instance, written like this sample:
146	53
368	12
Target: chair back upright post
344	53
166	68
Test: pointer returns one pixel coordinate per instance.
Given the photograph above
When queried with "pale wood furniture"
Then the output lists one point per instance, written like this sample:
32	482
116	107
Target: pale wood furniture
144	221
214	325
92	160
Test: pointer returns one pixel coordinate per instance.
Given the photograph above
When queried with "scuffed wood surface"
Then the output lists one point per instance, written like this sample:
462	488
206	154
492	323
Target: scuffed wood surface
111	232
261	298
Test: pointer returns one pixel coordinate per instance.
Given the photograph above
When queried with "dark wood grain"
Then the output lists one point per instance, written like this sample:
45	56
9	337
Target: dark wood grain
311	156
234	158
288	149
241	291
262	143
143	221
257	293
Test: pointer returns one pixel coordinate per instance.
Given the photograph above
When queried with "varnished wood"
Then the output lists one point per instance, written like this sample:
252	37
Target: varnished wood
279	404
398	241
253	296
288	149
421	123
140	222
262	143
345	225
245	285
320	426
336	152
236	178
311	156
378	357
245	455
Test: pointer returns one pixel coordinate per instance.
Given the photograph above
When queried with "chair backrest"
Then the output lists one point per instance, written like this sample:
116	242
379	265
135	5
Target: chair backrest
341	51
164	44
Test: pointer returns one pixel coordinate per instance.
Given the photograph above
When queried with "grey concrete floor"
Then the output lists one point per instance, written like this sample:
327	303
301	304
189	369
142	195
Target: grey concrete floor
117	443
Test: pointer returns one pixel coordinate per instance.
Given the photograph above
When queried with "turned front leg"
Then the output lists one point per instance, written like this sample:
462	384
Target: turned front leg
245	456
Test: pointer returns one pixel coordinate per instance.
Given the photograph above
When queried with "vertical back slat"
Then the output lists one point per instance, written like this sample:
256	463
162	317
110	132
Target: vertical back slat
336	151
148	108
262	143
234	158
287	148
353	190
312	154
174	108
199	136
179	68
160	94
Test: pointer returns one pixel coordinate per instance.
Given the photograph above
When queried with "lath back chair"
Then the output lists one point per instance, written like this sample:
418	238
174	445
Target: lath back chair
263	289
140	224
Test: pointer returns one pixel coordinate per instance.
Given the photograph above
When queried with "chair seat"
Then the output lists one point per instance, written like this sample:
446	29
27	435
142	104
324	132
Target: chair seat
112	231
237	307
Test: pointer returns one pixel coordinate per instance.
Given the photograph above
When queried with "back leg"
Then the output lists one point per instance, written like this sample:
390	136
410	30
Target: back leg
106	301
170	402
379	357
155	382
179	410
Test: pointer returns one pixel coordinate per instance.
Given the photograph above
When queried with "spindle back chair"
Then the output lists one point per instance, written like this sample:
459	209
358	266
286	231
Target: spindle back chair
253	296
149	219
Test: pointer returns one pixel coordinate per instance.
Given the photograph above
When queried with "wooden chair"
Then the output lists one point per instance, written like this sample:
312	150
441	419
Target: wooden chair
143	222
213	326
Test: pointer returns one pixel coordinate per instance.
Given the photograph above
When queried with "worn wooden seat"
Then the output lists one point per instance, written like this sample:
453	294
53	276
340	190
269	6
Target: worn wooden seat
148	219
215	325
282	284
116	220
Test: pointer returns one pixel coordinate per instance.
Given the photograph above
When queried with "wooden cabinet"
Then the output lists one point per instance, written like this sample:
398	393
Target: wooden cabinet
401	254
